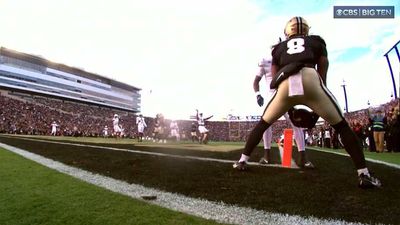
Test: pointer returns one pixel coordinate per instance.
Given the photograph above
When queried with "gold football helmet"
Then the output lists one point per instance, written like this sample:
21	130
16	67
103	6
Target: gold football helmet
296	26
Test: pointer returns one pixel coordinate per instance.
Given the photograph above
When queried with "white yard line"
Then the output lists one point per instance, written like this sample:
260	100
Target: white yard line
367	159
152	153
217	211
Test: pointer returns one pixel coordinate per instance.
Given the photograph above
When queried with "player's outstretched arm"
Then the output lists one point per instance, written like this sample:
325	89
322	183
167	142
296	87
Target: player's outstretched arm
208	117
256	88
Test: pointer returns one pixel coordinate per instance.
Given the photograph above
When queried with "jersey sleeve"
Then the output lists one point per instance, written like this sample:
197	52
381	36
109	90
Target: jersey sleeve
276	51
322	44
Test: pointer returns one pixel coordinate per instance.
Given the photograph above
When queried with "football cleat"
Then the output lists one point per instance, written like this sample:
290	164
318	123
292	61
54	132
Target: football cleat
303	161
264	161
240	166
365	181
307	165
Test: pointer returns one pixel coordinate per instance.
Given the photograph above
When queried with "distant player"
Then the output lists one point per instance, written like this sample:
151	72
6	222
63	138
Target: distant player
116	126
193	132
159	129
141	124
174	130
202	127
265	71
54	126
299	69
105	131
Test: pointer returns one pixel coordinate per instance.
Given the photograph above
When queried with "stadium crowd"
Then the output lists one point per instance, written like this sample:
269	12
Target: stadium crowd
28	114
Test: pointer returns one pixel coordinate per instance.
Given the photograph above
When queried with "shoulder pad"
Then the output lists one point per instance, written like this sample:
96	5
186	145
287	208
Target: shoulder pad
318	38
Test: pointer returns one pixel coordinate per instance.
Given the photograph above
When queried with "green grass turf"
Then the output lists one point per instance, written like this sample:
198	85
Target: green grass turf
33	194
330	191
390	157
188	148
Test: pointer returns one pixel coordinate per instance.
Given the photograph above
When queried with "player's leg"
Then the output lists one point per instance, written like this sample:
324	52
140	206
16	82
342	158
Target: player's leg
205	138
193	136
267	139
319	99
200	137
155	136
380	141
277	106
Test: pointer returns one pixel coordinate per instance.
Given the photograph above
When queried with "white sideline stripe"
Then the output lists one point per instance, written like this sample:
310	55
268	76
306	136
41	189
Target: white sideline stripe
217	211
154	153
367	159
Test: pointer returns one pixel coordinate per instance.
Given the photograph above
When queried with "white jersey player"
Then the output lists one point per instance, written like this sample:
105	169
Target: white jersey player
173	126
202	126
141	124
54	126
105	131
265	71
116	126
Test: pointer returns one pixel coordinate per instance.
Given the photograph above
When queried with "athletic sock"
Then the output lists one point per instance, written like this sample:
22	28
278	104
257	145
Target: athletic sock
244	158
255	137
267	154
363	171
351	143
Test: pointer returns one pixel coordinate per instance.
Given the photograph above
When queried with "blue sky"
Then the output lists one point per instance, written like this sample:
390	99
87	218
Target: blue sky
200	54
290	7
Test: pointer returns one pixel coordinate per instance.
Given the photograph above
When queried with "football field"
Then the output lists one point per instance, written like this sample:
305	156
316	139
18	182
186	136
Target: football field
199	180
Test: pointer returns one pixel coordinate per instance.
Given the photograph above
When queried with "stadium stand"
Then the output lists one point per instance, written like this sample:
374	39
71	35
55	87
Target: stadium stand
22	113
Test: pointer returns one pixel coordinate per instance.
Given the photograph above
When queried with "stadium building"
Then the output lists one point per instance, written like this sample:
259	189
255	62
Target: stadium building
36	75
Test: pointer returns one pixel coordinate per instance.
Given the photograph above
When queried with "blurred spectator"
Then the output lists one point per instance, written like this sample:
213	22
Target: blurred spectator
359	131
174	131
141	124
392	135
327	136
193	132
28	114
370	136
379	122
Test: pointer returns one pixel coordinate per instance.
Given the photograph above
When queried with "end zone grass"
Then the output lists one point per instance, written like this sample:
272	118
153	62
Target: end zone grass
33	194
329	192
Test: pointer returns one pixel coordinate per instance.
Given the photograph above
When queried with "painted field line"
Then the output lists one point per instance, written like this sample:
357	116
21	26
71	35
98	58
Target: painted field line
217	211
367	159
149	153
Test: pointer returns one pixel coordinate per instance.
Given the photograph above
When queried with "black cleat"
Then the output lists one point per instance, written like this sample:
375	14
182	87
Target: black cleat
264	161
241	166
307	165
303	162
365	182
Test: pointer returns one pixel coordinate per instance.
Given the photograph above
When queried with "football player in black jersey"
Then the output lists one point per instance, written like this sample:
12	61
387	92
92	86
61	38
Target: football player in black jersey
299	68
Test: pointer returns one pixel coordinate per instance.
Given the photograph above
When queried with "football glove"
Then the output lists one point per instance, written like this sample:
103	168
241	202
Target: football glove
303	118
260	100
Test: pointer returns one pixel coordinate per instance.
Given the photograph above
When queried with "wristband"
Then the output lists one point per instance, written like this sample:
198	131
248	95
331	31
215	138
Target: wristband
258	93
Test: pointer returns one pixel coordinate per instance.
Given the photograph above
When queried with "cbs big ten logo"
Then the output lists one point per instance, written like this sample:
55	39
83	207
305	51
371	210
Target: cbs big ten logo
364	11
347	12
375	12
